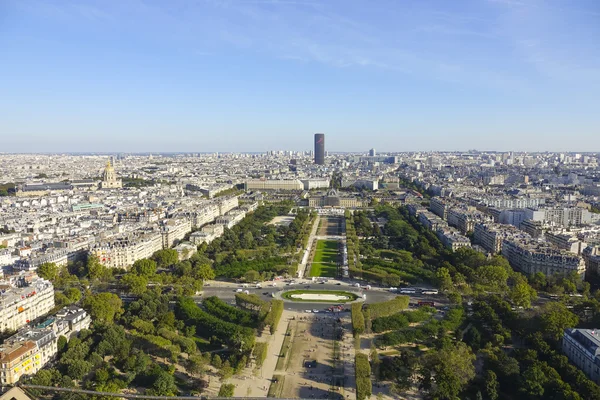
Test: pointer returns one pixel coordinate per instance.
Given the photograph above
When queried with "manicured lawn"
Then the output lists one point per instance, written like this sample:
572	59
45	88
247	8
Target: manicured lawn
325	259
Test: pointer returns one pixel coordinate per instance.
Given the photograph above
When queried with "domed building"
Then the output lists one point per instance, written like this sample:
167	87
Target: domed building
109	178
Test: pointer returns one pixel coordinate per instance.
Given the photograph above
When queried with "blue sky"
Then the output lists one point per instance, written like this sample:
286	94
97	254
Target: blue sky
258	75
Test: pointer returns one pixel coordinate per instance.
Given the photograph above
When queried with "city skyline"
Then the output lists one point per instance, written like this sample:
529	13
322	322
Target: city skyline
254	76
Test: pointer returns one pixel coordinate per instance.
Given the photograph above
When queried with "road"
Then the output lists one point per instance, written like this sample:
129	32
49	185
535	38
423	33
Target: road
226	291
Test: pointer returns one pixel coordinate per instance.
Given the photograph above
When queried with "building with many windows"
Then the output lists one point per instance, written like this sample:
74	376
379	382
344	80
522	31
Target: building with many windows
582	347
530	256
23	300
122	252
28	351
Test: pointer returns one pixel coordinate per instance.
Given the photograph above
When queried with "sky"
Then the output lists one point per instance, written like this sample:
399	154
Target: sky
260	75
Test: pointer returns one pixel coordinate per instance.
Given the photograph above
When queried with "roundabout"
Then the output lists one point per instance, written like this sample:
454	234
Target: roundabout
320	296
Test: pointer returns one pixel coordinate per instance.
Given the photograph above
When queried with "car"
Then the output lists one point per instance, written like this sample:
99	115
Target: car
338	284
321	283
265	293
315	310
308	311
206	284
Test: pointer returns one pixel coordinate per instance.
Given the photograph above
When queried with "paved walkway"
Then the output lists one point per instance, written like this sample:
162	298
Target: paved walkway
250	385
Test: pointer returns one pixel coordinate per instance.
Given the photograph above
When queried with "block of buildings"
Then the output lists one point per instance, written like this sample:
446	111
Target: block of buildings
24	299
582	348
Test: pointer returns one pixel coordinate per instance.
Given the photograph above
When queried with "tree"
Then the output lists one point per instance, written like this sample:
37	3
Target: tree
78	368
555	318
60	300
451	369
164	385
196	365
247	240
492	276
165	258
95	270
538	280
216	361
226	390
251	276
444	279
533	381
491	385
103	307
136	284
521	294
226	371
73	294
144	267
49	271
204	272
61	344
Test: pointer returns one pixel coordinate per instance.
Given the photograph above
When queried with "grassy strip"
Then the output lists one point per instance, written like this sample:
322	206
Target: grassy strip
284	349
323	269
276	386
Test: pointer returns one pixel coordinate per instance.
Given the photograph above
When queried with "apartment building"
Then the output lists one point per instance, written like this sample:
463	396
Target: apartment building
23	300
231	219
205	215
490	235
530	256
439	207
23	358
561	216
173	230
566	241
227	204
48	255
28	351
122	252
582	347
464	220
452	239
207	234
591	255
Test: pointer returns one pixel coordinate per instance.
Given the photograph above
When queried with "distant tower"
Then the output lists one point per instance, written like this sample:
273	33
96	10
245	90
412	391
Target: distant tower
372	153
109	178
320	148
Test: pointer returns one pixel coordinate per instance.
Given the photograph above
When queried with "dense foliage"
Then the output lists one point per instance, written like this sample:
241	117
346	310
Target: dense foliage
363	376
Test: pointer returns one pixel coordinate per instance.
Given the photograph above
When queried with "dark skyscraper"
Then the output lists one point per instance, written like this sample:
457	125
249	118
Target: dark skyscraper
320	148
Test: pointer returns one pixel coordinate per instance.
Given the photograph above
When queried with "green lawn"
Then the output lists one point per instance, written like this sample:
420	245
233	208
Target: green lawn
326	258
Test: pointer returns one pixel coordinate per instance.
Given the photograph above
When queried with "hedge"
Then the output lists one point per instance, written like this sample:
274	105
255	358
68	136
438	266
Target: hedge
389	307
274	315
358	319
364	388
260	353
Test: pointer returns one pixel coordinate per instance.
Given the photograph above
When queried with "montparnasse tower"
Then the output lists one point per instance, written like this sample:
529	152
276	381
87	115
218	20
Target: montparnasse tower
109	178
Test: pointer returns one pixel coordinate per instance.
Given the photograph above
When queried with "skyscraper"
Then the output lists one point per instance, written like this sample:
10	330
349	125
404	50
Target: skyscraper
372	153
319	148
